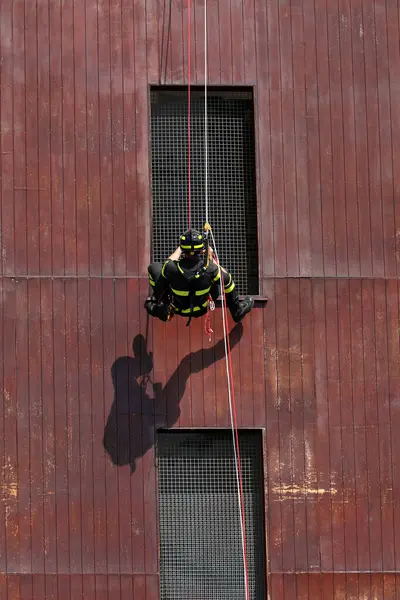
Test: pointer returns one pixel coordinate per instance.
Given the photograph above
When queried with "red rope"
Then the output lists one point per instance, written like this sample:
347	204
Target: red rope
232	389
207	326
208	331
188	61
242	516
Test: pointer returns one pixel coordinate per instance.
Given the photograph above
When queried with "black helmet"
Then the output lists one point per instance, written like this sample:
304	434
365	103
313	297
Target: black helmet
192	241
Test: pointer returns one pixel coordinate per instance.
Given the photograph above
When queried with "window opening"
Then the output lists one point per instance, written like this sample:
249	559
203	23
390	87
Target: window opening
232	181
199	521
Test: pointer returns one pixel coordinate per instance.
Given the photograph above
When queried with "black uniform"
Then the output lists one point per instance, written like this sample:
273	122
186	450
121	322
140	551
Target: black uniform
190	282
184	286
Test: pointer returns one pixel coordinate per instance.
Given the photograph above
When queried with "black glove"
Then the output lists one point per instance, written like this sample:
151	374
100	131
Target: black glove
161	311
150	305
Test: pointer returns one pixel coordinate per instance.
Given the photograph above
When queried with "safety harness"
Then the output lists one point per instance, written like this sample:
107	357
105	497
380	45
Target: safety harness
191	294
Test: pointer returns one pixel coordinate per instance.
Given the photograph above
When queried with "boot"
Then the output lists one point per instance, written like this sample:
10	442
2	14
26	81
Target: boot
238	308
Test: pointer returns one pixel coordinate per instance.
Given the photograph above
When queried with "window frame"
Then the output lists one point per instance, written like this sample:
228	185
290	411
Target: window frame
260	296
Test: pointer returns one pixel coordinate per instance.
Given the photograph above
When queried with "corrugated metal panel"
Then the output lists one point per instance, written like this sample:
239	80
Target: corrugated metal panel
76	115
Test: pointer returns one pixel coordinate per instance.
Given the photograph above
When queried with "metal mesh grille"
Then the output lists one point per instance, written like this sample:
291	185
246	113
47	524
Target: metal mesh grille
201	551
232	190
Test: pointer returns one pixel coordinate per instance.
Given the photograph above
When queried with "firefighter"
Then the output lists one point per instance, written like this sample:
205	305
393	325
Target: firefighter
184	284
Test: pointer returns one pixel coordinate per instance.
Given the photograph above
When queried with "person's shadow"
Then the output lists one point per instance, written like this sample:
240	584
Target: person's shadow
134	416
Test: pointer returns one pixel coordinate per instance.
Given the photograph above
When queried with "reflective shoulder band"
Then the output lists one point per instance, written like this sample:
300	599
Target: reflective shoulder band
230	286
163	269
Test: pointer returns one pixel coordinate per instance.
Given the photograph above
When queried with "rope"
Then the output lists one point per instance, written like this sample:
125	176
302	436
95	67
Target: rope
189	124
205	110
228	358
207	326
233	418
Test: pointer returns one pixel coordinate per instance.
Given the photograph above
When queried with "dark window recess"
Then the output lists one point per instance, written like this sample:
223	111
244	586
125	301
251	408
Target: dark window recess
231	175
200	537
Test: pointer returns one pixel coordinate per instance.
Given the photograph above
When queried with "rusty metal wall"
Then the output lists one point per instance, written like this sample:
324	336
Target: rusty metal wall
318	366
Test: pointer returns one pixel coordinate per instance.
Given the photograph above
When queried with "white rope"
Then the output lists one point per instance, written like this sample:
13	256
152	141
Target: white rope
228	376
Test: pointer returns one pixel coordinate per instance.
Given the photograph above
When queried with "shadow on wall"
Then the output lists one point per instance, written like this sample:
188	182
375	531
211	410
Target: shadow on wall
134	417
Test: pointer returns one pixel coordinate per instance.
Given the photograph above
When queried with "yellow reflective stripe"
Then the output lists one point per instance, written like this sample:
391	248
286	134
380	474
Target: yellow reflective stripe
151	279
180	292
186	311
186	293
230	287
164	265
202	292
197	247
217	276
152	283
180	268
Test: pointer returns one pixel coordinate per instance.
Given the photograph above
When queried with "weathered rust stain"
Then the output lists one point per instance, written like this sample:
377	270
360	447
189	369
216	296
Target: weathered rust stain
301	490
8	491
9	496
